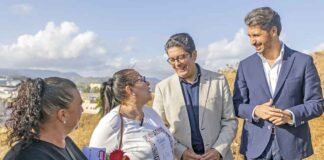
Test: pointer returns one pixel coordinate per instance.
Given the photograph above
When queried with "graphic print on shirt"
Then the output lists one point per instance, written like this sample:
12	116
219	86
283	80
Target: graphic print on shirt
161	144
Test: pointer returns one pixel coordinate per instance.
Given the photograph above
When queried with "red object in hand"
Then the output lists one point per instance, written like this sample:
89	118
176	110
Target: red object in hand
118	154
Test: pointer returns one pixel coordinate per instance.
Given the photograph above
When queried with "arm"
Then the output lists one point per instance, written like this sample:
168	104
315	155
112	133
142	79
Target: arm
158	105
241	97
228	122
313	98
106	134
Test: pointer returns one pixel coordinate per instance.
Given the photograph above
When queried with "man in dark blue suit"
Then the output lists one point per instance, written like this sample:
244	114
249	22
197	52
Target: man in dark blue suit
277	91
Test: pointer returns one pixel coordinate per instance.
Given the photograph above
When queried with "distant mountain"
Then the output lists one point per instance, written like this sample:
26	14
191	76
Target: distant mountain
78	79
34	73
153	82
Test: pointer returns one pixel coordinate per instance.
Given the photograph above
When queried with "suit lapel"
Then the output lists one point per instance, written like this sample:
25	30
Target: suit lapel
176	86
287	62
179	101
259	72
204	87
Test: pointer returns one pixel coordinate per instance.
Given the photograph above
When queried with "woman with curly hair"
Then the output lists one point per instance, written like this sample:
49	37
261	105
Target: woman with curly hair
130	125
43	114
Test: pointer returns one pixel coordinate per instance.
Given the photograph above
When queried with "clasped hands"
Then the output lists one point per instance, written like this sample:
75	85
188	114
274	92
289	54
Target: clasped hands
276	116
211	154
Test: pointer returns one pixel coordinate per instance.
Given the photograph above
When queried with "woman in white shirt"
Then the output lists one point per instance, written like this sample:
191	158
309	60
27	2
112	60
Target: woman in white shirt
130	125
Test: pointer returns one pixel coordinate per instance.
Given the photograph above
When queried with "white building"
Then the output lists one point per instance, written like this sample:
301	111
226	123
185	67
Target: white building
89	104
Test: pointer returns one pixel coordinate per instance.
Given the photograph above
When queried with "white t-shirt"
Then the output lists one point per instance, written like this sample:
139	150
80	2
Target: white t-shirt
152	140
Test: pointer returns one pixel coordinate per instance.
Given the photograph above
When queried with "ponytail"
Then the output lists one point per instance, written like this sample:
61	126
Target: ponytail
36	101
107	96
113	93
26	111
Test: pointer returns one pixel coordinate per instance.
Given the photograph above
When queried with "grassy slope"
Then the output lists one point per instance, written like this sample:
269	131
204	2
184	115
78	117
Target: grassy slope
88	122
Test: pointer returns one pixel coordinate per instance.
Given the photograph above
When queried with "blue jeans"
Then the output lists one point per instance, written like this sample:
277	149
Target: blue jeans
271	152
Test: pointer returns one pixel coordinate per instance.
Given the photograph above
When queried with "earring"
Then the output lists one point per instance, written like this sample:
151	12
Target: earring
64	122
133	94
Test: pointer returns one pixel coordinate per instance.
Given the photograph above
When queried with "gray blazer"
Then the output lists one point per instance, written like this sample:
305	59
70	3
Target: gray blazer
217	121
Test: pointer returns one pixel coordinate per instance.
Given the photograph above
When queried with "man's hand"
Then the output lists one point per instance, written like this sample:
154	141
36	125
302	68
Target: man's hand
189	154
265	110
280	117
211	154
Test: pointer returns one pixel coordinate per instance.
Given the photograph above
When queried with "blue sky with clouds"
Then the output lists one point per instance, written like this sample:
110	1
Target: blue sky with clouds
97	38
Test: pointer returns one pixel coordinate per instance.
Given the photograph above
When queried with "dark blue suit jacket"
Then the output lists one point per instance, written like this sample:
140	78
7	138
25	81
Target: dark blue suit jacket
298	89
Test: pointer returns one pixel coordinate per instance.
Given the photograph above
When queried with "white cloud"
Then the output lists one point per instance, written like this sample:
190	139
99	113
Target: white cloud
66	48
220	53
60	47
22	9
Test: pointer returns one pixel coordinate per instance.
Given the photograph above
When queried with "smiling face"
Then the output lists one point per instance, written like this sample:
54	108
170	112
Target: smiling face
184	64
261	39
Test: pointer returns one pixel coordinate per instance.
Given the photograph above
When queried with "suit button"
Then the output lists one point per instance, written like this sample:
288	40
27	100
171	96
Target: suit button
269	127
202	129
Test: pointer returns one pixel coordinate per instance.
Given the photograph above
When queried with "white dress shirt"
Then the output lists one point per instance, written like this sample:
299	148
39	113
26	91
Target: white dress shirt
272	72
272	75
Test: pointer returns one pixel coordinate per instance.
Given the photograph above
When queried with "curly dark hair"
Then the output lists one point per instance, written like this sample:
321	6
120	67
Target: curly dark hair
37	99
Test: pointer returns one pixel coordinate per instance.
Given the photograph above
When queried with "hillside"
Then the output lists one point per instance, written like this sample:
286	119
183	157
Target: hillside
87	123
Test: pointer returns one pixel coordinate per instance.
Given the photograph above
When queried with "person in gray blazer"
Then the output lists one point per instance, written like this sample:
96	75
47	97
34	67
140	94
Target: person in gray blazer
195	104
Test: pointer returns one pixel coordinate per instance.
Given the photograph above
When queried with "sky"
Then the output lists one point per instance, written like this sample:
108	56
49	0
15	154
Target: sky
100	37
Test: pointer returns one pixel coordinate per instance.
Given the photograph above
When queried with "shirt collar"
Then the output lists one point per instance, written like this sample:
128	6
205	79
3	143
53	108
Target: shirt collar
279	58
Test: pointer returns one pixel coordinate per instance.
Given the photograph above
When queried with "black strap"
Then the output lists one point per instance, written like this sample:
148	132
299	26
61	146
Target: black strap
70	152
121	131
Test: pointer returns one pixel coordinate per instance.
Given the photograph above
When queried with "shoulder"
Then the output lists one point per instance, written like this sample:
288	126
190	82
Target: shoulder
250	59
149	111
111	119
213	75
167	81
108	126
299	57
31	152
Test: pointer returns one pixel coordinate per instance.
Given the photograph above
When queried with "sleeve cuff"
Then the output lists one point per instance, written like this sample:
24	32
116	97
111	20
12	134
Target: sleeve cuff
178	150
293	117
256	119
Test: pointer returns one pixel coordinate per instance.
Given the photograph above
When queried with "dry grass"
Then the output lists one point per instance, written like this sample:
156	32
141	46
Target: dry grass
88	122
316	125
81	136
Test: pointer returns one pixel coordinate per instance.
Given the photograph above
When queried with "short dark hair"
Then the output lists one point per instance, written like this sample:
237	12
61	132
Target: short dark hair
182	40
265	17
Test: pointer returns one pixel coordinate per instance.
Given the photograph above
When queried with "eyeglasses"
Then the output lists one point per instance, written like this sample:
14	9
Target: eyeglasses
141	79
180	58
